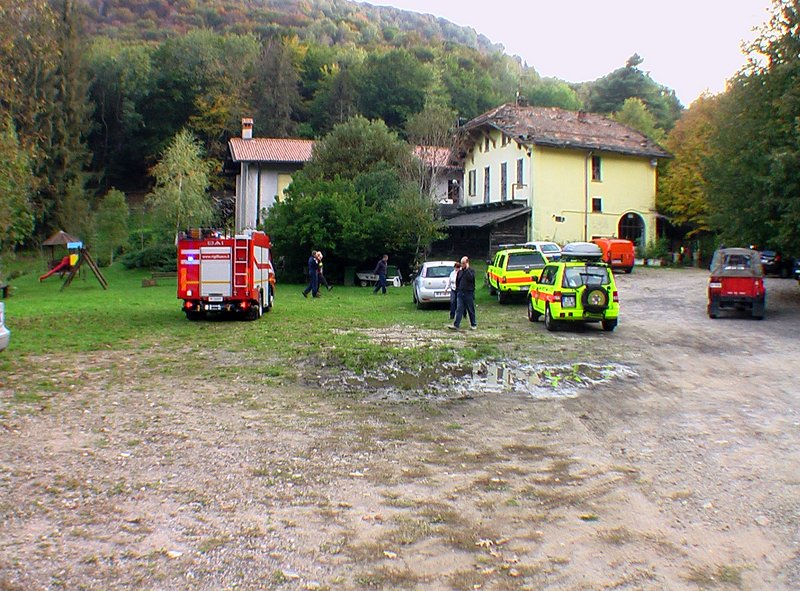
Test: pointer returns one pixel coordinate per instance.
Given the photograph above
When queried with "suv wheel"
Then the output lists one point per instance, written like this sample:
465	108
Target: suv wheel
609	325
533	315
549	323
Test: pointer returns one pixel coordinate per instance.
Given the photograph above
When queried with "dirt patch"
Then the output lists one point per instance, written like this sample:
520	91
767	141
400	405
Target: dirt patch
660	456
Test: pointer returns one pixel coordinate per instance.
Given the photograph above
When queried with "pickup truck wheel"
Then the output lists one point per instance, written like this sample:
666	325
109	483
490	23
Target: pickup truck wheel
502	297
492	290
533	315
713	308
758	310
549	323
609	325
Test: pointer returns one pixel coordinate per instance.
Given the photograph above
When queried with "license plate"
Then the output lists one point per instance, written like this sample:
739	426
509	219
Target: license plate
215	299
440	294
617	261
213	307
523	288
715	285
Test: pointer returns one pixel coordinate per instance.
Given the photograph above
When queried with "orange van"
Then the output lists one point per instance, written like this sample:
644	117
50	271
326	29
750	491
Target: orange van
617	253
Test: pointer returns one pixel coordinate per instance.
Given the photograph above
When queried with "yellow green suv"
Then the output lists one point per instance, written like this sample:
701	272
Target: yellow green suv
513	270
577	288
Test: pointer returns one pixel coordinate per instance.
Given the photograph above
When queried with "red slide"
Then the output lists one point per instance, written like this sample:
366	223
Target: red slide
64	263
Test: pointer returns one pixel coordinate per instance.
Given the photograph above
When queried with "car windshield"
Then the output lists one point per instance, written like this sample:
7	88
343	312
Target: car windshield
736	261
585	275
549	248
438	272
522	260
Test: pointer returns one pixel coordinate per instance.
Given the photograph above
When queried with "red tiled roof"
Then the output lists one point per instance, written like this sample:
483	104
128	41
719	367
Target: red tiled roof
558	128
434	156
299	151
270	150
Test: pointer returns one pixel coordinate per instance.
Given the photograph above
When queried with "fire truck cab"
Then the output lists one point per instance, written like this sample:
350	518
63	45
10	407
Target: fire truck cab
219	274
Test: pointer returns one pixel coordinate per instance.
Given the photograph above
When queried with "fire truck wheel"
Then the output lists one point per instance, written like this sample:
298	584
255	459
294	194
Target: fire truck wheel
253	311
192	315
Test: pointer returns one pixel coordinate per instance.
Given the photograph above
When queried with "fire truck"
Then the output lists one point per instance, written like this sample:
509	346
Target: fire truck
219	273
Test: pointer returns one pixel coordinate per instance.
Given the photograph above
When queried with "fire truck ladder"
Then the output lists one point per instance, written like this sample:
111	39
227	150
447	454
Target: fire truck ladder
241	268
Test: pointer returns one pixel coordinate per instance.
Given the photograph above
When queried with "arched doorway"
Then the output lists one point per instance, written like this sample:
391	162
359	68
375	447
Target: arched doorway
631	227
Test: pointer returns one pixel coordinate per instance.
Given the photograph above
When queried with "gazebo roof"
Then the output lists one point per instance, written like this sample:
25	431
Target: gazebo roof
60	238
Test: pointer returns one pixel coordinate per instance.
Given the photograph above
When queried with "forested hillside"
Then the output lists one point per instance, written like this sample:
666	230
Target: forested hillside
321	22
93	91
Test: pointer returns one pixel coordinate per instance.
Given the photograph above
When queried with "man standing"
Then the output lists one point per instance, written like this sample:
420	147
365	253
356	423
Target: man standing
313	279
380	271
465	287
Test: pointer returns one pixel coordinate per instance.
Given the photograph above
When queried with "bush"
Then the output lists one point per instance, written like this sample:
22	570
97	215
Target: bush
160	257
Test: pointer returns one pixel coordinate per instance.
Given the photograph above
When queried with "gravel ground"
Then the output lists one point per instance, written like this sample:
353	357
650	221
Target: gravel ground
661	456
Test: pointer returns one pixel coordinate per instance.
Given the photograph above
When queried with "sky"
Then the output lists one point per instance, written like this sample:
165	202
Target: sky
690	46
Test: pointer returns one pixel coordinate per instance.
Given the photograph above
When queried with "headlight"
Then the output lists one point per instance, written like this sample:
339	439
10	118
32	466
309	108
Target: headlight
568	301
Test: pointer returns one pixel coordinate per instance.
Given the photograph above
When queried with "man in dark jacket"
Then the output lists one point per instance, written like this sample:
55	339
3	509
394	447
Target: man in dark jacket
380	271
465	286
313	279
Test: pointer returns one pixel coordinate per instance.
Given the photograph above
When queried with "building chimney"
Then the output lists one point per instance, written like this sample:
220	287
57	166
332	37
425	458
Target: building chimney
247	128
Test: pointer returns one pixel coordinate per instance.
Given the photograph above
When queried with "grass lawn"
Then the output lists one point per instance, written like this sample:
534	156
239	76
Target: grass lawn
342	328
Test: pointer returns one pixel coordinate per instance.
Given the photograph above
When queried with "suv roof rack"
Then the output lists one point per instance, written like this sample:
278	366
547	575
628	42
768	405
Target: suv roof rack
520	245
582	251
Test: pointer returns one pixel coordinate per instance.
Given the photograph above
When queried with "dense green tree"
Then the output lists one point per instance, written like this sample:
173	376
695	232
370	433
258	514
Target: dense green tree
74	213
179	198
44	87
392	87
356	147
122	81
682	185
634	114
111	226
327	215
16	187
551	92
753	177
276	90
609	93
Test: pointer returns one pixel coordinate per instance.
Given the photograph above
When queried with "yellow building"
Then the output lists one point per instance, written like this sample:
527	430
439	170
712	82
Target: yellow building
581	174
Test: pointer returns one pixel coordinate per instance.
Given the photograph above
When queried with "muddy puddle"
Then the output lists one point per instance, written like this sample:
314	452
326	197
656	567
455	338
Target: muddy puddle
457	381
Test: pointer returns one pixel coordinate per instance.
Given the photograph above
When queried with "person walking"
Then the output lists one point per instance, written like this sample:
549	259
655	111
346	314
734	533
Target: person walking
380	271
465	287
313	276
451	287
321	276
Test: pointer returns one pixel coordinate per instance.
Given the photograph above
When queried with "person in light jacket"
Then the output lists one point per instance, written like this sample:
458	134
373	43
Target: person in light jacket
451	287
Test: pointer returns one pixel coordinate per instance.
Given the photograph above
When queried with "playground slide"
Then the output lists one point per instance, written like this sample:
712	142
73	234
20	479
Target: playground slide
64	263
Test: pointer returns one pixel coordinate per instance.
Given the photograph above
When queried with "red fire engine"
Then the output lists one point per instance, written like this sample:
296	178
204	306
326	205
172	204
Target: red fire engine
219	273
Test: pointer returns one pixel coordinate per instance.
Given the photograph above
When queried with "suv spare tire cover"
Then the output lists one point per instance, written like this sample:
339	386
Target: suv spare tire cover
595	299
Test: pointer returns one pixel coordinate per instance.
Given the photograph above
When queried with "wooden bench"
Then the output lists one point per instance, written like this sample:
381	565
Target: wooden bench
152	281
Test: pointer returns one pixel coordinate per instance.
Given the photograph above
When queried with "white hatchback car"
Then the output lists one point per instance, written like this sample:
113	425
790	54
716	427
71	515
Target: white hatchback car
550	250
5	334
430	284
